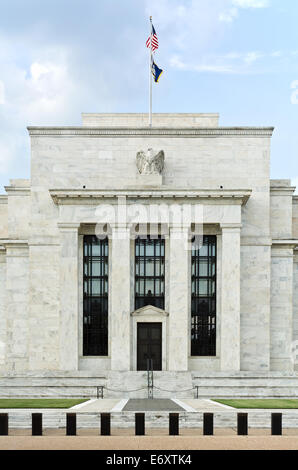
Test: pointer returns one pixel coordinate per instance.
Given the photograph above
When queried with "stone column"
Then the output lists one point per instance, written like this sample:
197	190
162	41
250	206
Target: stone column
17	311
282	356
120	298
230	298
3	327
178	299
69	304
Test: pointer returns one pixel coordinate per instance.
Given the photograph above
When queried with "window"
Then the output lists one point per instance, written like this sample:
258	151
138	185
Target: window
203	298
149	272
95	314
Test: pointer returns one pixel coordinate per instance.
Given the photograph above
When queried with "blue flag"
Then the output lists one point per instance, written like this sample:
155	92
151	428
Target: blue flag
156	71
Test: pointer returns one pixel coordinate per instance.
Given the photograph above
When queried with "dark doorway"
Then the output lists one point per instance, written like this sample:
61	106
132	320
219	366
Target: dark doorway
149	338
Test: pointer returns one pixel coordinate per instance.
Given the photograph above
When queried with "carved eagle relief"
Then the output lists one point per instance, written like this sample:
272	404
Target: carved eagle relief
150	163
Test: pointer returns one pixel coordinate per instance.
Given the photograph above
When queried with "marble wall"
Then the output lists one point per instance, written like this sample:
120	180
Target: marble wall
281	320
3	217
3	321
41	272
17	307
255	306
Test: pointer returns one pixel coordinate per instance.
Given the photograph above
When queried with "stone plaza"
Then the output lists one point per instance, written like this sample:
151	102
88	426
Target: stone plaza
133	247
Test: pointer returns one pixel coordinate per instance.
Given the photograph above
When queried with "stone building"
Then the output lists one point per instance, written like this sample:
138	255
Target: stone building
131	243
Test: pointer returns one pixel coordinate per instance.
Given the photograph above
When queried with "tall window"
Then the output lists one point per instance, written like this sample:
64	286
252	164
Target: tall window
203	298
150	272
95	323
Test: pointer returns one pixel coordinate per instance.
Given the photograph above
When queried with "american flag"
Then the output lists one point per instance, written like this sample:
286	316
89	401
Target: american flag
154	40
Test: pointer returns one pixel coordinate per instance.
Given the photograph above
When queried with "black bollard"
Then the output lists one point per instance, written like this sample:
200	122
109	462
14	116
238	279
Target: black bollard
242	424
71	424
173	424
105	424
140	424
276	424
3	424
36	424
208	424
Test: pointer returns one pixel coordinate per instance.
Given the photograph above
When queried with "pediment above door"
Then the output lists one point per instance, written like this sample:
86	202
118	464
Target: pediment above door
149	311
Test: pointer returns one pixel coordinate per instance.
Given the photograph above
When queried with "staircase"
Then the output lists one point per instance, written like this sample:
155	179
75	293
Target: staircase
246	385
52	384
134	384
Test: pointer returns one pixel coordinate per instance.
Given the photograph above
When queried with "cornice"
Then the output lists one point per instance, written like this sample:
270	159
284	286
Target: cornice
282	190
219	196
146	131
289	243
3	199
65	226
14	243
15	191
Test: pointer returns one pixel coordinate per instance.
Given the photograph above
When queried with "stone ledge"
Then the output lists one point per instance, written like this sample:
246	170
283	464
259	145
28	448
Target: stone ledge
67	196
290	244
162	131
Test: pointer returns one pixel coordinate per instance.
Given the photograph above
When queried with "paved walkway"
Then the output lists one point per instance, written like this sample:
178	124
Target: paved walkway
202	405
109	405
161	404
260	441
98	406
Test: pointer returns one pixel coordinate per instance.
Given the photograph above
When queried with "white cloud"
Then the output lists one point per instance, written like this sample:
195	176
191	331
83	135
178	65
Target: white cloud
251	3
232	63
49	89
251	57
2	93
42	92
37	70
231	13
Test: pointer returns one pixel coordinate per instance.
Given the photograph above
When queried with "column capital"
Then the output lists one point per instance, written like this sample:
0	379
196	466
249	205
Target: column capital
118	226
72	226
120	231
232	226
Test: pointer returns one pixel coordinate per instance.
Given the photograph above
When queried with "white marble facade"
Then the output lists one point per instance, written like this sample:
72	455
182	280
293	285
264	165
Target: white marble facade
76	171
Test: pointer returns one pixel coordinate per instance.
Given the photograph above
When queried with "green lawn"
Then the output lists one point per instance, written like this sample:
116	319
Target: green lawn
38	403
261	404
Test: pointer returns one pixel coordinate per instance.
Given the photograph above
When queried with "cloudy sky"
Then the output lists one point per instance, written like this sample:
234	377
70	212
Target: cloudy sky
61	57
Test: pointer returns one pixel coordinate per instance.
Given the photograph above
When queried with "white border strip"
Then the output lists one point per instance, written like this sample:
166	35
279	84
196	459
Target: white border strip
184	405
120	405
81	405
213	402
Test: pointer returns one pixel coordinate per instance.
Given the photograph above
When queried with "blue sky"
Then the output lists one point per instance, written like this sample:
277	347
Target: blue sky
61	57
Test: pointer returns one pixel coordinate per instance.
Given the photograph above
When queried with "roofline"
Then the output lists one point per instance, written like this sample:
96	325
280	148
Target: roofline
141	131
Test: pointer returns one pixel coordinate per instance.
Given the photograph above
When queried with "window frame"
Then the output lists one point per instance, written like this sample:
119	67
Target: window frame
157	278
205	343
101	330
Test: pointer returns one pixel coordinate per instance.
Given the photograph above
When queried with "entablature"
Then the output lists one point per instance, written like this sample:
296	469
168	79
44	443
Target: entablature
206	196
153	131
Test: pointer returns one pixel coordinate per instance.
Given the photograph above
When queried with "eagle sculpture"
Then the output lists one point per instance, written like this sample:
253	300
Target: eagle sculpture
150	163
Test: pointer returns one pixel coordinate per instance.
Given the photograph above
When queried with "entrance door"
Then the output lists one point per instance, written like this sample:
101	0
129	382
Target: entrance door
149	345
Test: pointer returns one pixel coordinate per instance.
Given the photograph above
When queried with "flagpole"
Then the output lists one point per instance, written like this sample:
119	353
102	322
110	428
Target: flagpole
150	75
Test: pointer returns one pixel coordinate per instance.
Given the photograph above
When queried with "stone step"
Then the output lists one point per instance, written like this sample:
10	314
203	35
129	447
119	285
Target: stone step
167	384
135	384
